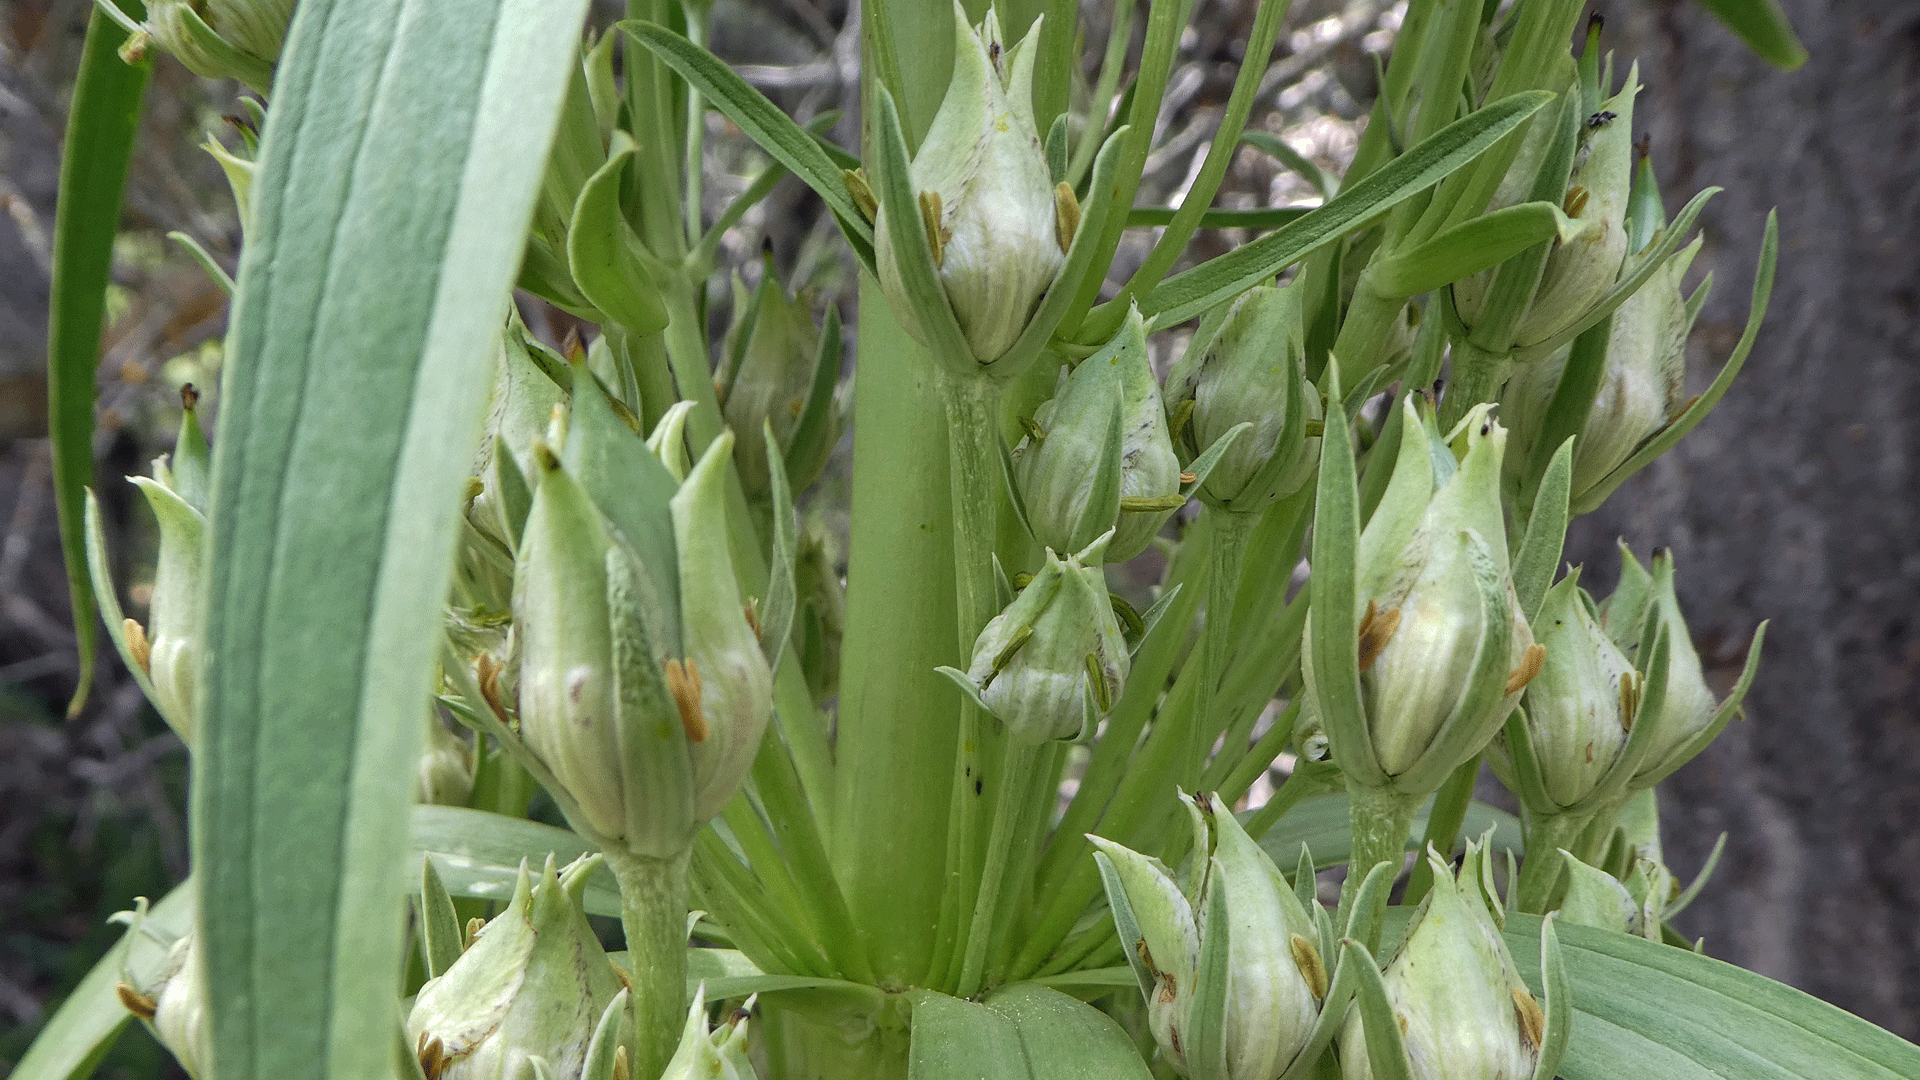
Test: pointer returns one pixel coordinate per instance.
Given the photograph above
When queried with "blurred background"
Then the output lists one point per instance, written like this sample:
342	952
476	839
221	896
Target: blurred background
1798	501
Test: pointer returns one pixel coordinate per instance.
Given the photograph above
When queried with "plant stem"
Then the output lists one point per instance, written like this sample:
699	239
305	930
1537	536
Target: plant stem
1478	376
653	912
1381	819
1540	870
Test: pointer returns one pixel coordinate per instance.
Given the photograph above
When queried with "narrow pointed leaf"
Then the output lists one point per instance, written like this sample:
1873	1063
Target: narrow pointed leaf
440	937
1540	550
1468	248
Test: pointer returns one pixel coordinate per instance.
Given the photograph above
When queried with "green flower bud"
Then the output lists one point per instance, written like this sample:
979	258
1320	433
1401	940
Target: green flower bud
175	1007
1464	1011
998	227
1053	663
444	775
1581	706
1444	650
1275	976
1150	474
773	359
218	39
1642	390
169	645
1596	898
1251	371
719	1055
1688	708
534	983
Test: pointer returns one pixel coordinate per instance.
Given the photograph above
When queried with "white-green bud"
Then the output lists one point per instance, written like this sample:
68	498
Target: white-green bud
221	39
717	1055
773	355
1051	666
1252	371
174	1005
1275	975
1465	1013
996	222
1434	592
1581	706
1688	706
444	774
169	646
534	982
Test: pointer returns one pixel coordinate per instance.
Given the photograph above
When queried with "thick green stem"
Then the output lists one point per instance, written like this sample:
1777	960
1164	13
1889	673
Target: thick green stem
1477	376
653	912
1540	870
1381	819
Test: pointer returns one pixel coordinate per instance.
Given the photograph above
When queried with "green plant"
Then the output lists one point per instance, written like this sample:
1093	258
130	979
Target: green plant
417	512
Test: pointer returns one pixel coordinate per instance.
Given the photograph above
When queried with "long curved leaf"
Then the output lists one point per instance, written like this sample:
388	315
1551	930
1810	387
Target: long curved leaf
397	179
101	122
1645	1009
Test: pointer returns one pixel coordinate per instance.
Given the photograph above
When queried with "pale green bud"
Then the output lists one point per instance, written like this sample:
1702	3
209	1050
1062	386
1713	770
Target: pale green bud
1464	1011
169	646
444	773
1067	469
220	39
1275	975
1581	706
1051	666
999	238
519	408
1252	371
1642	390
175	1006
717	1055
723	687
773	355
1596	898
534	982
1150	474
1689	704
1432	564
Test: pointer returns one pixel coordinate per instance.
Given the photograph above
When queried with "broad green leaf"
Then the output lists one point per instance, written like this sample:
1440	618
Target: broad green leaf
1067	1039
397	179
1468	248
1321	823
84	1027
1185	295
101	122
954	1039
1645	1009
1764	27
478	854
603	254
762	120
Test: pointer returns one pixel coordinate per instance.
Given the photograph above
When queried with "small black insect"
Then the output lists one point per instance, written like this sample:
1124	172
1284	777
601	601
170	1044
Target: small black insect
1600	119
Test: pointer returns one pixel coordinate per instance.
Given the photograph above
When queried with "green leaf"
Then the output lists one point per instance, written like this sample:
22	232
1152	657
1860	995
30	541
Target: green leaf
1275	147
101	123
762	120
1764	27
441	941
1467	248
478	854
603	254
955	1039
776	616
1539	552
1066	1039
1332	648
1644	1009
397	180
1321	823
1185	295
1257	218
84	1028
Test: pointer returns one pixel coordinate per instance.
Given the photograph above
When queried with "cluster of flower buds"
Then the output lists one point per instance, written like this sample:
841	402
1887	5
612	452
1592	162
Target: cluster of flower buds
533	983
1097	457
998	225
1444	649
1052	664
643	689
1275	978
216	39
1249	371
779	372
1462	1007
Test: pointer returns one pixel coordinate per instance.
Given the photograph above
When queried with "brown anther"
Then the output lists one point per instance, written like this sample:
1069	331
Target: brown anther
1589	753
621	1071
1169	989
1530	663
433	1057
1306	957
1533	1024
1066	215
1173	1036
683	682
474	926
1576	201
572	347
1188	478
1146	958
1376	630
930	218
861	191
1629	700
1402	1017
189	396
753	617
138	645
487	671
136	1002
